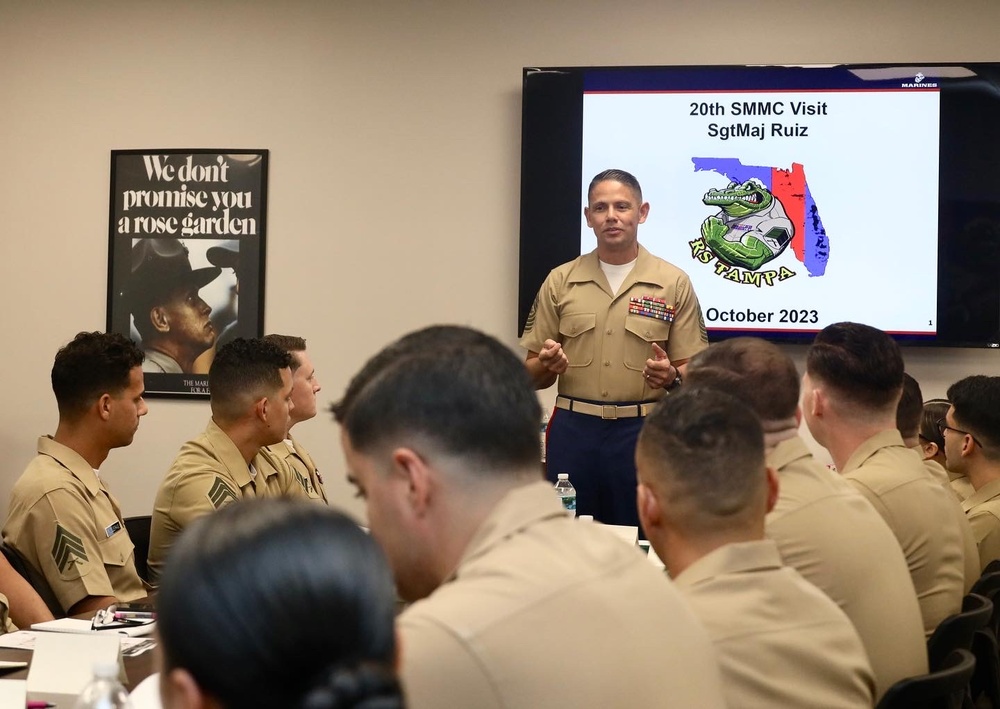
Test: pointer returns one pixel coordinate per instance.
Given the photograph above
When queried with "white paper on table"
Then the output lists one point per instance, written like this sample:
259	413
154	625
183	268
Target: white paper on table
76	625
13	693
63	663
25	640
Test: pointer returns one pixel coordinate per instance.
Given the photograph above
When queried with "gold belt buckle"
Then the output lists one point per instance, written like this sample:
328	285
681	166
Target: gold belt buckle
609	412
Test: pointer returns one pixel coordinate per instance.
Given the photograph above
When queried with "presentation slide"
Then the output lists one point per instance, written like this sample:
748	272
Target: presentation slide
789	210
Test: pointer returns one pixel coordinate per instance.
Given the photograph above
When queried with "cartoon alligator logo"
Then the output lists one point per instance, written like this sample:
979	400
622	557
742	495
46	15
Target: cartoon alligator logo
751	227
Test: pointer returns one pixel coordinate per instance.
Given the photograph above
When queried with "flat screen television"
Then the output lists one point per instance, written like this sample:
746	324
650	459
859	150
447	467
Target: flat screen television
793	196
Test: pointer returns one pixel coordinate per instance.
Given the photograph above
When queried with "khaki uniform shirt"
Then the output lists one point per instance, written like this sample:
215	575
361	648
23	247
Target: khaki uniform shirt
607	347
970	550
983	510
920	512
826	530
547	611
301	464
781	642
208	473
961	485
66	524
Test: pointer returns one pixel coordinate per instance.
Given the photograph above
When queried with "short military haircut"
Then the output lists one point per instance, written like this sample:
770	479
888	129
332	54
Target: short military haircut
910	408
244	371
755	371
91	365
460	390
933	410
977	411
859	362
703	452
626	178
290	344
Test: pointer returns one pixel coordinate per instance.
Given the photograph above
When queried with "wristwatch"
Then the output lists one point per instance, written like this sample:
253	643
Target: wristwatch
676	383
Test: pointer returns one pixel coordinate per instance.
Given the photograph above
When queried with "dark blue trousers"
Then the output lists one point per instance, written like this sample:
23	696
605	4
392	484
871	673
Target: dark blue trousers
599	456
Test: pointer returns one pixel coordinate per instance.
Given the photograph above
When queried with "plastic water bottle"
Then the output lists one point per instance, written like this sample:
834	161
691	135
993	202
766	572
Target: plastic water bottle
104	691
566	491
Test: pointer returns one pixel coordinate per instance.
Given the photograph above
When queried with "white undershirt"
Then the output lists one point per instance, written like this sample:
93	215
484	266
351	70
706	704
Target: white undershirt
616	274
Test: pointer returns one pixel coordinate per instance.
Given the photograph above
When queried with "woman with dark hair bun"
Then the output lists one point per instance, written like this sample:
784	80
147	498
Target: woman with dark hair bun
277	604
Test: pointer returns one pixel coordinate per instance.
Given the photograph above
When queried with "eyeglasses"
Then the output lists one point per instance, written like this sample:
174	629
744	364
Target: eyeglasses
942	426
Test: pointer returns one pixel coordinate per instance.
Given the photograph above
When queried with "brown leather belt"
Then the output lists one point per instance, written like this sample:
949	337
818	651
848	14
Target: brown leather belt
608	412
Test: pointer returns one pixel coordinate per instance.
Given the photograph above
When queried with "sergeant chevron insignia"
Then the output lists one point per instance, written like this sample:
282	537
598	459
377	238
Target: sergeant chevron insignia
221	494
67	549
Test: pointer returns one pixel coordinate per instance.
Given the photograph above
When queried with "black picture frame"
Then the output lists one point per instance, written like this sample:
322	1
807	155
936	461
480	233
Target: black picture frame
186	233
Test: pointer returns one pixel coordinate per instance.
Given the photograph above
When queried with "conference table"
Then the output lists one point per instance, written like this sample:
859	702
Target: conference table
137	667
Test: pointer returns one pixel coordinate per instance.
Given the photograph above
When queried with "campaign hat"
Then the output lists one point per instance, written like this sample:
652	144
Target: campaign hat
160	265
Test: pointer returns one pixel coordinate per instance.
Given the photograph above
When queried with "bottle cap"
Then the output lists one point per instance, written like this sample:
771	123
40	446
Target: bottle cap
562	476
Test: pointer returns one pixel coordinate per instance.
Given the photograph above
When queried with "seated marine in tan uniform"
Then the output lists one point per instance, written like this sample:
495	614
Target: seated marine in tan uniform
514	603
251	385
62	518
971	431
703	492
305	387
851	388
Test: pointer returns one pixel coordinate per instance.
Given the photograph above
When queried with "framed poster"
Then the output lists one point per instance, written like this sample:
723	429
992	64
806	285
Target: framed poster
186	258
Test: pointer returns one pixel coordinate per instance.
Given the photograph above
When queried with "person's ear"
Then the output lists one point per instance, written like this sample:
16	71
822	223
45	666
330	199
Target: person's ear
419	478
104	406
929	449
650	512
160	319
261	409
818	403
643	212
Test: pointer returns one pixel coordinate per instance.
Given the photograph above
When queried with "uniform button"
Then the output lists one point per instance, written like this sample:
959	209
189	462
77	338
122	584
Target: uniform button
604	394
608	331
607	363
648	334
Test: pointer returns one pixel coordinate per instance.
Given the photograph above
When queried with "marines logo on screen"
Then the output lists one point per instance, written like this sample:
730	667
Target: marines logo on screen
762	211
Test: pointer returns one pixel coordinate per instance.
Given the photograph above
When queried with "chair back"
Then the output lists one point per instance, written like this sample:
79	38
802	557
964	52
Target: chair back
989	585
956	631
34	578
138	532
944	689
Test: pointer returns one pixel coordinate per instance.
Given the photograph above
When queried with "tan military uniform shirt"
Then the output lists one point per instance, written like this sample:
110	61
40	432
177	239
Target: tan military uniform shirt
961	485
546	611
781	642
920	513
970	551
607	347
66	524
208	473
301	464
983	510
828	532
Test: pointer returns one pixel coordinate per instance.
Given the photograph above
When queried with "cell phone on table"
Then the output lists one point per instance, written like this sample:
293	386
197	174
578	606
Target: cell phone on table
136	607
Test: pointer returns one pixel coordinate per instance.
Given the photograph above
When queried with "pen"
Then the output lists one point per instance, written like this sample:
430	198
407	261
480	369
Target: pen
39	705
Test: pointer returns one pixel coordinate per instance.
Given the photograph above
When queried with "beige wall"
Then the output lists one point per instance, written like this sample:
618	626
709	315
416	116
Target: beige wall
394	137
